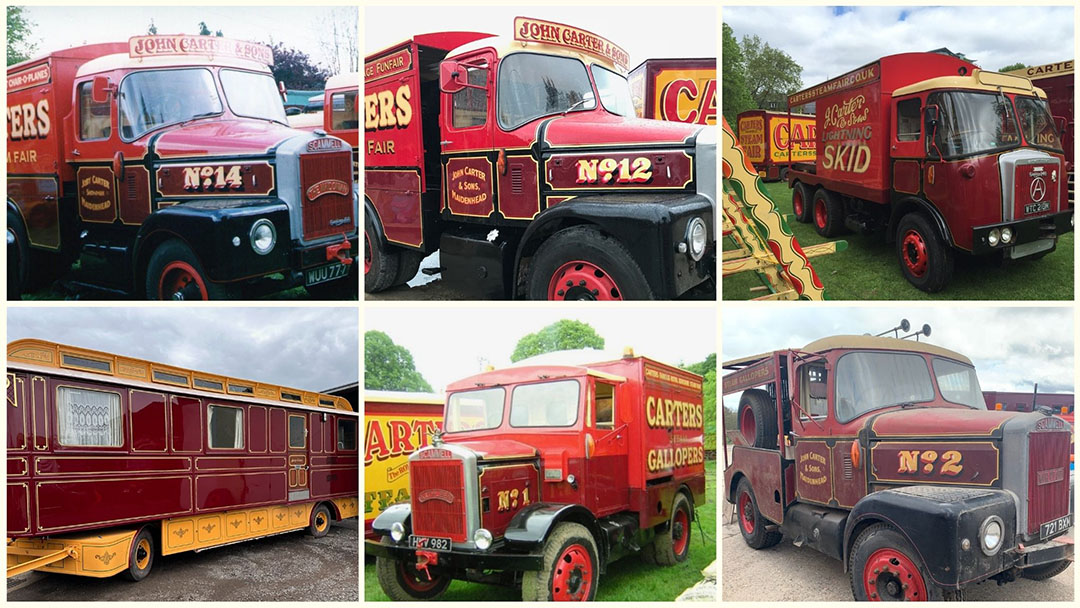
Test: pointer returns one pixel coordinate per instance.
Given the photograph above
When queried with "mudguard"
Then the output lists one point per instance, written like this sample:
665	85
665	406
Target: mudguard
399	513
935	520
926	208
531	525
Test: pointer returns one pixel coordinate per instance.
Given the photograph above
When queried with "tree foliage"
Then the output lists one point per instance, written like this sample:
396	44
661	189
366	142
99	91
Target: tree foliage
1013	66
771	74
390	367
152	29
19	47
735	94
560	335
204	30
296	69
707	369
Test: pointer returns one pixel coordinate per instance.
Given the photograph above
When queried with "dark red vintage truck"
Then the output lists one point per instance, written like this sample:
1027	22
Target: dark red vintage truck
547	474
520	160
1056	80
941	157
880	452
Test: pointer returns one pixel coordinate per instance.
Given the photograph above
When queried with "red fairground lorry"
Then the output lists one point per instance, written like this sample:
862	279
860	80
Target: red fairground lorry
545	475
682	90
165	166
880	452
941	157
774	141
1056	80
521	161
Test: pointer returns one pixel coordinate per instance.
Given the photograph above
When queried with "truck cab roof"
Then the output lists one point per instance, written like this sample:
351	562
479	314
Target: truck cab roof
121	61
504	45
345	80
852	342
978	80
530	373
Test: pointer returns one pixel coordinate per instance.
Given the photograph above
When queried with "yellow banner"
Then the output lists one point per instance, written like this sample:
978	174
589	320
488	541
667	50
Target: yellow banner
547	32
209	46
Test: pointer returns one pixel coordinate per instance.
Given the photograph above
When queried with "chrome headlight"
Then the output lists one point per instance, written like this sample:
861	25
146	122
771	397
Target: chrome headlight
1006	236
991	534
397	531
696	234
994	237
263	236
482	539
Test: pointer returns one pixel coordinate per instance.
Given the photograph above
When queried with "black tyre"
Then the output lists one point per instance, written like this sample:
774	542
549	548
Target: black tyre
141	556
801	203
380	264
174	273
884	566
402	582
346	288
673	544
752	524
408	266
828	213
319	526
757	419
925	258
580	263
570	569
18	256
1045	571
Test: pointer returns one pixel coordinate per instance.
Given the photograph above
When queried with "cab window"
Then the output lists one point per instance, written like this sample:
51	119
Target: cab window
545	404
470	103
811	381
908	123
343	112
94	118
605	406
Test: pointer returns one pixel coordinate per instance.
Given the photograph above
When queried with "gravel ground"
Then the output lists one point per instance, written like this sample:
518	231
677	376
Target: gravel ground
291	566
788	573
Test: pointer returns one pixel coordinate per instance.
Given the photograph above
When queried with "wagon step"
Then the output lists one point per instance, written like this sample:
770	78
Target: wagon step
44	560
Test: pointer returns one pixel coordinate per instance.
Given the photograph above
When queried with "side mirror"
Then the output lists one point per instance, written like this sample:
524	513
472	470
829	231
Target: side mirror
450	77
1061	124
101	89
932	114
284	92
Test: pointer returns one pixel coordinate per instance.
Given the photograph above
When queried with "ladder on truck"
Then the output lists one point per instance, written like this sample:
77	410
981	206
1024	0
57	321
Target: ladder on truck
764	243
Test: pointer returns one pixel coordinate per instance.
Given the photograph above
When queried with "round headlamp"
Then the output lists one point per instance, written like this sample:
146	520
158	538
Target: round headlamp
696	233
397	531
482	539
991	535
1006	235
263	236
994	237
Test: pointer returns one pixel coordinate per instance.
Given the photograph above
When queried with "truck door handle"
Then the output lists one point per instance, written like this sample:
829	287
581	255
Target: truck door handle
445	142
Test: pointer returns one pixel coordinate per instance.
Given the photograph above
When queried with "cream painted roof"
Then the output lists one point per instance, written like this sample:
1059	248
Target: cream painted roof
120	61
504	46
343	81
876	343
979	80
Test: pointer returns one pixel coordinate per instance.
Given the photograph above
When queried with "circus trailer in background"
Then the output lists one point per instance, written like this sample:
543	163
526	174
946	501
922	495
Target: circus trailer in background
775	141
682	90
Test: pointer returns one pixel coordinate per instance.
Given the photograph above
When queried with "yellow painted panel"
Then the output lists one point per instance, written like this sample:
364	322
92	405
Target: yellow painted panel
208	529
299	515
258	520
97	555
236	524
179	535
347	507
279	518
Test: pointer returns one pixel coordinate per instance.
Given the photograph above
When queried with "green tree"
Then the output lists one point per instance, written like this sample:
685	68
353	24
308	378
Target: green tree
19	47
1013	66
735	94
771	74
152	30
560	335
707	369
205	31
296	69
389	367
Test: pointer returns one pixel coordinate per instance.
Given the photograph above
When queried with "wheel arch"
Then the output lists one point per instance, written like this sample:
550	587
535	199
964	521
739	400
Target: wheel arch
146	243
533	525
909	204
734	486
376	219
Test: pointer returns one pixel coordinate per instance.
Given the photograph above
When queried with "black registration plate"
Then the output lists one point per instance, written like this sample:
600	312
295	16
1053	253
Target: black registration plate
322	274
430	543
1056	526
1036	207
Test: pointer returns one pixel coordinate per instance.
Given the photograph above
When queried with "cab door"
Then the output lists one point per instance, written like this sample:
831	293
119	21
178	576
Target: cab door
606	449
467	129
299	488
907	145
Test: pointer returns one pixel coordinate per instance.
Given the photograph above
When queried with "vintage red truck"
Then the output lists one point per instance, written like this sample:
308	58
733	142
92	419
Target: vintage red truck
774	141
880	452
114	462
521	161
682	90
544	476
165	166
940	156
1056	80
341	115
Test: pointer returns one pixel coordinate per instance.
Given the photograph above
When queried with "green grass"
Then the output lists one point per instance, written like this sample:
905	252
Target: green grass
628	579
869	270
48	293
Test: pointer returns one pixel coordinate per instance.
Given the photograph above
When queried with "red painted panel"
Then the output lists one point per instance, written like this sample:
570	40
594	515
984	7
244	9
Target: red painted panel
813	471
847	148
850	481
315	433
39	413
519	190
147	422
906	176
134	195
17	467
762	468
969	463
510	489
96	194
257	433
110	501
37	198
278	439
335	461
396	196
213	463
186	424
18	508
239	490
469	186
329	429
17	406
335	482
74	465
958	422
618	170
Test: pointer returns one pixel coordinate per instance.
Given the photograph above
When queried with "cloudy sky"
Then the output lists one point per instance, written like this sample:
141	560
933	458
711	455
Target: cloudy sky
1012	348
828	41
454	342
302	28
674	31
307	348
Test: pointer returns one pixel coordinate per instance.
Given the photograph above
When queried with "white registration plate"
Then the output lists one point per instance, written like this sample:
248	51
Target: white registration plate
1056	526
322	274
430	543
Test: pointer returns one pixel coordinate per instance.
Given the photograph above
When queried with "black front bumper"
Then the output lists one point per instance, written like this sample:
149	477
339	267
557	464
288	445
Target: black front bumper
1024	231
459	560
1053	550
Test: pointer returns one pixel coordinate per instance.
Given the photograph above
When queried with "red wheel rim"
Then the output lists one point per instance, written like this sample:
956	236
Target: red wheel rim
580	280
746	513
680	531
890	575
179	281
797	202
820	214
573	576
412	579
748	426
367	254
913	251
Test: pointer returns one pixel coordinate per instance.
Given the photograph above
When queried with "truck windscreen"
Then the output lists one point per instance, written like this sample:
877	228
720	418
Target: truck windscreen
475	410
253	95
959	383
973	123
545	404
614	91
1039	129
866	381
532	86
151	99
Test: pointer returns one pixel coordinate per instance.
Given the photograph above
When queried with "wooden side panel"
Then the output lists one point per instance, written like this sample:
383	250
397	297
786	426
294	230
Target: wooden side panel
147	422
278	439
239	489
258	435
107	501
187	426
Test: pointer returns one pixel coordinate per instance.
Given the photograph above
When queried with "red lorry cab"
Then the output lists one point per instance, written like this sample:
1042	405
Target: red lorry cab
941	156
1056	80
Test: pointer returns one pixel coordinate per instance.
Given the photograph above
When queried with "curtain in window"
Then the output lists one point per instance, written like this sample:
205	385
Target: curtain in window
89	418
